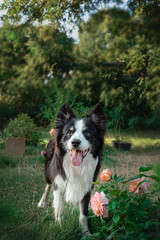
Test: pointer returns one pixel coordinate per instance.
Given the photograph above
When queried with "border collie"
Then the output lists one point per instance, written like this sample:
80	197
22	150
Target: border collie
73	161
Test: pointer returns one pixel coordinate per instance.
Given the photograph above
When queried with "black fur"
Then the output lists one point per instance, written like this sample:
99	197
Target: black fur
85	202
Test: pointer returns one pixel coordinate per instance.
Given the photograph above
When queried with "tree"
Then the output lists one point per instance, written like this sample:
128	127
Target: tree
54	11
63	10
108	35
114	35
12	50
33	61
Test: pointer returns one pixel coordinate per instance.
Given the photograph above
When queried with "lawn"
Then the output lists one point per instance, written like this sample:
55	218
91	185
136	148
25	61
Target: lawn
22	183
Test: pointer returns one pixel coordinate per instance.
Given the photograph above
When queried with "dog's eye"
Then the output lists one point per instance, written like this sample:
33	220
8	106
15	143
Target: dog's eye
70	132
86	133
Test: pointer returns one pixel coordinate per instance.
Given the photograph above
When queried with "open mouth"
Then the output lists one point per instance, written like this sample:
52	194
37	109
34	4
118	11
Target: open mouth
77	156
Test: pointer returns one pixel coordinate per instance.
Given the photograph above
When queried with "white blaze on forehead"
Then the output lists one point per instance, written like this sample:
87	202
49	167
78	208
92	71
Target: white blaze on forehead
78	134
71	128
79	126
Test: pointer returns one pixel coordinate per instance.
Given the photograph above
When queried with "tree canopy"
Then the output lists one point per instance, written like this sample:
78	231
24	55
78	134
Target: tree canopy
64	10
32	59
115	35
115	62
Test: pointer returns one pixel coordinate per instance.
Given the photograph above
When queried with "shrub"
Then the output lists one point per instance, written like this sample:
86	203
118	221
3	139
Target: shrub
23	127
131	214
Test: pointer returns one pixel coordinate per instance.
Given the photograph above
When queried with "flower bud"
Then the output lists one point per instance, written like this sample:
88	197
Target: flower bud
51	132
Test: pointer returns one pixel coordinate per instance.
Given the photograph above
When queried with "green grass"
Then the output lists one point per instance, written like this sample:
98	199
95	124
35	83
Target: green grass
142	141
21	186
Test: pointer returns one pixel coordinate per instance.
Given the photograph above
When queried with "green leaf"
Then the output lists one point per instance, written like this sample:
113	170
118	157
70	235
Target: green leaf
110	227
83	238
145	204
103	188
130	222
129	229
123	212
142	213
116	218
113	192
115	177
133	207
147	224
96	183
137	176
124	193
120	179
114	204
96	234
145	169
93	216
106	191
154	177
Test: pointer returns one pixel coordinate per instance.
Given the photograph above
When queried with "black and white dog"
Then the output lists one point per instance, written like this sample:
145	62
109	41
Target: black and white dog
73	160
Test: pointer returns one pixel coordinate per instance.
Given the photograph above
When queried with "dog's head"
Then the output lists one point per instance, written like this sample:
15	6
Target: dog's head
80	136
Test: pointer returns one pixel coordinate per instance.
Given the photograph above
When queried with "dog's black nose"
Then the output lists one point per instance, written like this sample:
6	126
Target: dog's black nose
76	143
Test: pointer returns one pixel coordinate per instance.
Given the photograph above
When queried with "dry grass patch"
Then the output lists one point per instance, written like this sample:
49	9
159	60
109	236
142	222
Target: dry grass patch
127	165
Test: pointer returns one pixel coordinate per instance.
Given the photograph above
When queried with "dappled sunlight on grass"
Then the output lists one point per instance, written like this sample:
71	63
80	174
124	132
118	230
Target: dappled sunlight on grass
140	140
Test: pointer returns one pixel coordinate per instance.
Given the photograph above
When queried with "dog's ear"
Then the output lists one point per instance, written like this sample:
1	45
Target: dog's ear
98	116
64	114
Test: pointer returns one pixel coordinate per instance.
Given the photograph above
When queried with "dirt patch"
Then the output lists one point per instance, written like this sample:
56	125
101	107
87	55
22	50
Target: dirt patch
127	165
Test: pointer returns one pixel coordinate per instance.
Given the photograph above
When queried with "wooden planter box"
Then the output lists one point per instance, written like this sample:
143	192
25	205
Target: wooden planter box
15	146
121	145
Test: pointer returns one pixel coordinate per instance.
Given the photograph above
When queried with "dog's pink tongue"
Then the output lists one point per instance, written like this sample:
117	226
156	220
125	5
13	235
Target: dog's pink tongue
76	158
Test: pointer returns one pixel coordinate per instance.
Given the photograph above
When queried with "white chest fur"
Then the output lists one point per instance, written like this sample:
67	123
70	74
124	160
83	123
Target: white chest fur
79	179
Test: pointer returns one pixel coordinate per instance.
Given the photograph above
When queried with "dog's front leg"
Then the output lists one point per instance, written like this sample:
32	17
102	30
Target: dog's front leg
83	217
58	205
43	202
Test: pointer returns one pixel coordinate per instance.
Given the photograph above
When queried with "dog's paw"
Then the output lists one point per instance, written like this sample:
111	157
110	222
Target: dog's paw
42	204
87	234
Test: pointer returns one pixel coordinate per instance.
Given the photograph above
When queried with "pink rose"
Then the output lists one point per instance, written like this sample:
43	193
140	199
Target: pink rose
98	202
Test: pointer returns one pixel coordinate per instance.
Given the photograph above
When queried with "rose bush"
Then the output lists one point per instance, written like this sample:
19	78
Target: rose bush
128	209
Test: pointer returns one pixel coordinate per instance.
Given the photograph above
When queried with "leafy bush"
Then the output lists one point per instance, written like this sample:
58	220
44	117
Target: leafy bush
49	109
23	127
127	214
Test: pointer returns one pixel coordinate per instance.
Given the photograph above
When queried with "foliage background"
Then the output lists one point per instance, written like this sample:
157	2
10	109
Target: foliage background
115	61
